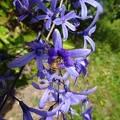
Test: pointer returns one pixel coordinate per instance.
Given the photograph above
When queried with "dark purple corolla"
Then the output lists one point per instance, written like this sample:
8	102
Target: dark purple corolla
38	53
84	11
50	14
64	22
5	77
66	55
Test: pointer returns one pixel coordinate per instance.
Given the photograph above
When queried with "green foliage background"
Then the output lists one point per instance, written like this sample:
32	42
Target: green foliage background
104	68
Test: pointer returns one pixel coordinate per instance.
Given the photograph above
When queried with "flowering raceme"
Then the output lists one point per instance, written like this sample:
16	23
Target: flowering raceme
56	65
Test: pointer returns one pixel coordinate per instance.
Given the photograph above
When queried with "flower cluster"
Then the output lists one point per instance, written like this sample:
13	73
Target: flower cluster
57	66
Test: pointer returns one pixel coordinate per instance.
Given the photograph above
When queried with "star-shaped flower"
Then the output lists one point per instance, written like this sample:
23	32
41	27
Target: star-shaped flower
66	55
64	22
38	53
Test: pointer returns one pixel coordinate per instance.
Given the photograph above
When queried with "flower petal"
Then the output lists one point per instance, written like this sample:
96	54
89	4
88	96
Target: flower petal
72	71
92	30
19	62
22	17
66	106
83	10
70	26
91	42
43	7
76	4
46	113
79	52
58	21
35	85
26	113
95	4
41	17
48	24
56	37
65	32
70	15
26	3
33	3
73	100
44	99
63	10
53	5
89	91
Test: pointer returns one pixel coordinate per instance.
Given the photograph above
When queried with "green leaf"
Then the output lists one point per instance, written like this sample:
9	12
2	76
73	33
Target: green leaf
3	30
3	34
3	20
68	45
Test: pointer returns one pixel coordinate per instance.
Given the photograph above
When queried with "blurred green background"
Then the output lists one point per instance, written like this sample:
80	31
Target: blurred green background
104	67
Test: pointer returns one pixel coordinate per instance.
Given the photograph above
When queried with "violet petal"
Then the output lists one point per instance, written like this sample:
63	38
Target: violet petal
19	62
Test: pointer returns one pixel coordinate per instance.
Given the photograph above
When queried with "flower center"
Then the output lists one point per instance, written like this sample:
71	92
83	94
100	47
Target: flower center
63	20
39	52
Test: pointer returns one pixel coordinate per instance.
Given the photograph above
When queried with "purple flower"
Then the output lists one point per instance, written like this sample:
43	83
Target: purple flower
23	7
64	22
5	77
86	110
86	34
50	14
66	55
38	53
27	110
87	114
84	10
69	99
86	92
47	114
81	64
48	89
